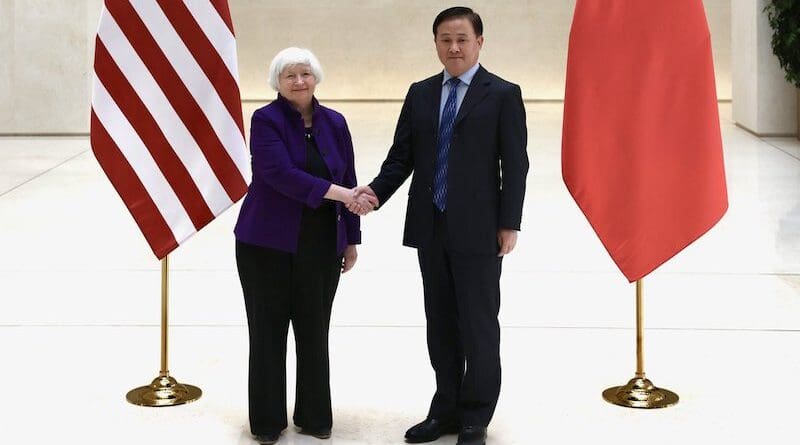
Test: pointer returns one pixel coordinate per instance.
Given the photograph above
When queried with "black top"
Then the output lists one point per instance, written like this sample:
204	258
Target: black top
314	163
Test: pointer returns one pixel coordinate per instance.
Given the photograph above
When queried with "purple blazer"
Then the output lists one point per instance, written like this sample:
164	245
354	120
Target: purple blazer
271	211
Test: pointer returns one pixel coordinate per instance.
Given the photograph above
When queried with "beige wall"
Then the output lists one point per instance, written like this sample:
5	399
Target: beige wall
6	65
375	49
371	49
765	102
44	75
718	13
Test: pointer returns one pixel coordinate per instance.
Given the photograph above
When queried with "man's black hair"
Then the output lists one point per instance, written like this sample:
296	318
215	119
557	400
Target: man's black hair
459	12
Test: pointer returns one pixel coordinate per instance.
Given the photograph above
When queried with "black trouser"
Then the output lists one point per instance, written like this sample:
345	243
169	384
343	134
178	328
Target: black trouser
462	301
280	287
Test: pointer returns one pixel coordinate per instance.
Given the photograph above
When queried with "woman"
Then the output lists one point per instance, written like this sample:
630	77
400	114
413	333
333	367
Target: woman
294	237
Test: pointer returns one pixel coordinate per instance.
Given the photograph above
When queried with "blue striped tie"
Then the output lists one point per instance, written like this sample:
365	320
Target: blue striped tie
445	134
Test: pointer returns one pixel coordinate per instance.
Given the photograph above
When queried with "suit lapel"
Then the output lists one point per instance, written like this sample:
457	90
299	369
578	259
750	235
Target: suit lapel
435	96
478	89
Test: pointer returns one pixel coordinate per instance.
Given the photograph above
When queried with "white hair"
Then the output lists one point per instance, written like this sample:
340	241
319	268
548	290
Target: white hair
290	57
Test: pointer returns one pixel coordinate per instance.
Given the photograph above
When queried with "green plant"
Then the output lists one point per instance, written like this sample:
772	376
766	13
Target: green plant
784	18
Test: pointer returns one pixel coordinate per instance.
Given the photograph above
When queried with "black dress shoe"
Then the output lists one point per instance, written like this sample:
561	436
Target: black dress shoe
430	429
267	439
472	435
322	433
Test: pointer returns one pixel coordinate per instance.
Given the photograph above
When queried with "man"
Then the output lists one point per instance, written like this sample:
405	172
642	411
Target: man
462	133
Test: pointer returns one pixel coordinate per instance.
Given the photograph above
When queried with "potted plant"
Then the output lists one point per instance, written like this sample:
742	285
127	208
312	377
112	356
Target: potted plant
784	18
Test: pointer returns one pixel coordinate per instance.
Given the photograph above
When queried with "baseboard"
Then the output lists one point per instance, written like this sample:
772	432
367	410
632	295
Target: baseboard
766	135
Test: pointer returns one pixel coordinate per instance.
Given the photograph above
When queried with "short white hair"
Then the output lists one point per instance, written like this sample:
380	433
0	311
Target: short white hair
290	57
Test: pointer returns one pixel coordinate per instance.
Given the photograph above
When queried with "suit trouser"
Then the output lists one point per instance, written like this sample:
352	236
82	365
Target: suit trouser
462	301
280	287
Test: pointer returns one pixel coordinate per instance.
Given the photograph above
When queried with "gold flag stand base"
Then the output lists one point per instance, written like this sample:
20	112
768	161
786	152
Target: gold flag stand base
164	391
640	393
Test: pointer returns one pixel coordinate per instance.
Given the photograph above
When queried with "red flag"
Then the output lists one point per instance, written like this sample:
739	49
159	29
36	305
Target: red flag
642	152
166	123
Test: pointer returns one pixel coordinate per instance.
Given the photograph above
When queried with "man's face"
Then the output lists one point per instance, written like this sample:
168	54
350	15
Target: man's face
457	45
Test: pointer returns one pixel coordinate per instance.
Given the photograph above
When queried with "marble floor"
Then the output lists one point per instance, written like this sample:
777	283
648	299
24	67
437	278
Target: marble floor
79	312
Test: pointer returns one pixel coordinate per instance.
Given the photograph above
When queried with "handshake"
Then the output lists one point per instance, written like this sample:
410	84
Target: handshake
360	200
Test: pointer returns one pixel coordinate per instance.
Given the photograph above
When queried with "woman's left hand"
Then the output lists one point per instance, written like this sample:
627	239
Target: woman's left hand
350	256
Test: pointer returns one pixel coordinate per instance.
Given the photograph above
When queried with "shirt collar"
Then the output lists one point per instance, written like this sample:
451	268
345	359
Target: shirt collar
466	77
292	111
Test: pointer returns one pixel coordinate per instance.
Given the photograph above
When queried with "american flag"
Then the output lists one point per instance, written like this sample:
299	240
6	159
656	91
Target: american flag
166	122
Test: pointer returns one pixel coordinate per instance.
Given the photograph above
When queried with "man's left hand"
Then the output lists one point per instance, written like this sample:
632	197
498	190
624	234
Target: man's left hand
506	240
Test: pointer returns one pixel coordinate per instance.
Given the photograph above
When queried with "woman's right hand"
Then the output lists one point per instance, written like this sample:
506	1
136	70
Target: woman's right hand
363	201
354	199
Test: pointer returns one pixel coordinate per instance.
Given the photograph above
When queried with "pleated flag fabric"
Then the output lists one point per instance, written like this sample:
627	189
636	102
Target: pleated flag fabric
642	152
166	121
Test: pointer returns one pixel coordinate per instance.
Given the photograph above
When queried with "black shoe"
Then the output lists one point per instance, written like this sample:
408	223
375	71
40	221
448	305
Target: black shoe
430	429
472	435
267	439
322	433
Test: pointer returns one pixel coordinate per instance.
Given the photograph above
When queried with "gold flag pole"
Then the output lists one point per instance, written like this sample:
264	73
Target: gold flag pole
164	390
640	392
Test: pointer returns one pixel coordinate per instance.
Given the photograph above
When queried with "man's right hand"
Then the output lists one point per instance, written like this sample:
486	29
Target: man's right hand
365	200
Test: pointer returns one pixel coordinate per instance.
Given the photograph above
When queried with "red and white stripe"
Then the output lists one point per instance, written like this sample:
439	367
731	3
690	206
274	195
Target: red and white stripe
166	122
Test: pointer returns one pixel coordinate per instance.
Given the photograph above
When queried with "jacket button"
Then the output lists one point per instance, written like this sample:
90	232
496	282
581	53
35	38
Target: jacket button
339	217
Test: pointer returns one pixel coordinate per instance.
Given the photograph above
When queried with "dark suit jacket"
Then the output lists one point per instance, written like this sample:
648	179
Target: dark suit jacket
272	210
487	163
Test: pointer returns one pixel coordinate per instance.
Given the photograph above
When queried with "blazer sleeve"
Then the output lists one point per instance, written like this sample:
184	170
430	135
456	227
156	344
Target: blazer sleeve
399	162
352	221
513	159
272	164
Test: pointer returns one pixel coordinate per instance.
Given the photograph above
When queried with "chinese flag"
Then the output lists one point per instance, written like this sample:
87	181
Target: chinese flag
642	152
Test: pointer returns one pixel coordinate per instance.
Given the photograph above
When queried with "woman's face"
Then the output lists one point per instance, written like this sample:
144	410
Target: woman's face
297	84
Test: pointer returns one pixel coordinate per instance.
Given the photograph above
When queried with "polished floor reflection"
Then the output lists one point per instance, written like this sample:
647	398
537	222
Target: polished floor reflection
79	312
